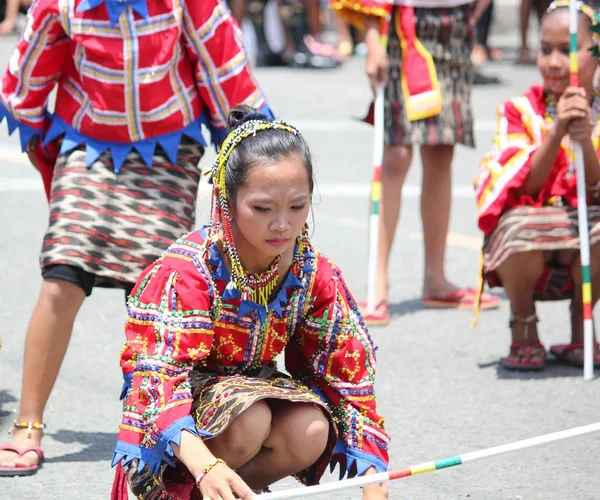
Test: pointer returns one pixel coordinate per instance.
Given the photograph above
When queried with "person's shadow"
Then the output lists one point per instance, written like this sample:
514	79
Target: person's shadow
5	398
554	369
405	307
99	446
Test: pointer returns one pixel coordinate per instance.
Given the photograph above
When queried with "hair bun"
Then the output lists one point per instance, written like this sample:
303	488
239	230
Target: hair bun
243	113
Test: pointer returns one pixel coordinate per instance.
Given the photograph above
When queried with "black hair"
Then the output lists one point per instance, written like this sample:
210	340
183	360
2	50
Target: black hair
265	147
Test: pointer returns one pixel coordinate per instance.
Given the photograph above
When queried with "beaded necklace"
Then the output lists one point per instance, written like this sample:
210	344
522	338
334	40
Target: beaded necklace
262	284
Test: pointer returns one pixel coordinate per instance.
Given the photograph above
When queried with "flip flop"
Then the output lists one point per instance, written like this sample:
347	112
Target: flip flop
19	470
527	363
561	351
460	300
381	315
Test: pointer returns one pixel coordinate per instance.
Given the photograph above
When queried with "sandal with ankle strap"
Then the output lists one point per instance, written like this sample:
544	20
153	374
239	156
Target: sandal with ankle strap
23	470
525	357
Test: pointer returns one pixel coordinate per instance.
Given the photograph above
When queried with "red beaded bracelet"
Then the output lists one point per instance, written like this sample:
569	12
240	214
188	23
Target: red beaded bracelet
207	469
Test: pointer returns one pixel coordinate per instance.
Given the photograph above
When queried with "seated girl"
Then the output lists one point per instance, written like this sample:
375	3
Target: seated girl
205	407
527	192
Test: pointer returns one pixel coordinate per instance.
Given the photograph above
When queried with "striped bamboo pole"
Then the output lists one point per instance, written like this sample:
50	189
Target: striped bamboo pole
584	236
378	125
423	468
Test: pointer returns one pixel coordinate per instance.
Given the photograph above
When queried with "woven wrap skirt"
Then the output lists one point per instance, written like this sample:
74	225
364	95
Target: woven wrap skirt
548	229
218	401
448	36
113	225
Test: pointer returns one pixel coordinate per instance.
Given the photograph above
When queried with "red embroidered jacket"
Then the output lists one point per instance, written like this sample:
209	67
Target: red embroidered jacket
521	127
179	316
128	75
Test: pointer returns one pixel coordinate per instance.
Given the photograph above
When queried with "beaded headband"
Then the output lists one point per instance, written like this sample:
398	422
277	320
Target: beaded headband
588	12
220	216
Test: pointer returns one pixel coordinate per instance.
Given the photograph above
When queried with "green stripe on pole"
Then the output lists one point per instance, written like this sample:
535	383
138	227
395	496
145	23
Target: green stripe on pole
586	274
448	462
573	42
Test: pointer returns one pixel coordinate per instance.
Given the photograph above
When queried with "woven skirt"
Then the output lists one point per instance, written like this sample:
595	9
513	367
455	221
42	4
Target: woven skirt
549	229
115	225
218	401
448	37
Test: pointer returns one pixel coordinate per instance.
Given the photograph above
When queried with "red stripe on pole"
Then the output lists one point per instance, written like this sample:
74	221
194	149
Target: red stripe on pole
400	473
587	311
377	173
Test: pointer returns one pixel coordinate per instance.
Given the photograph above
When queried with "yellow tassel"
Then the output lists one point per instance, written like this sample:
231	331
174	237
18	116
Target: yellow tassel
262	294
479	292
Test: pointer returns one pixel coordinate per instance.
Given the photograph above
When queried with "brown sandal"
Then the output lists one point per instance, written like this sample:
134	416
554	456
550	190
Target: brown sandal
525	357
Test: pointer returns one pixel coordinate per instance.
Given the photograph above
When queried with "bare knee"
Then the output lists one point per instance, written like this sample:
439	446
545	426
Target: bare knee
60	293
524	267
245	436
304	431
396	160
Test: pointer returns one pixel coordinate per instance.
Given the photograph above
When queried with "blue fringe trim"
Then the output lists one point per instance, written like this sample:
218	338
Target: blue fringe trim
72	138
119	150
26	133
162	452
356	462
127	379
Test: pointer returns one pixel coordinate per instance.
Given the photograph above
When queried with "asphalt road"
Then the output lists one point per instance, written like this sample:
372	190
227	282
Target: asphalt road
439	383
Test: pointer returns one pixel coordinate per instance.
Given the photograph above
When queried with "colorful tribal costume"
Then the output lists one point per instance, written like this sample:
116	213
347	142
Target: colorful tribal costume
202	342
513	222
119	157
428	94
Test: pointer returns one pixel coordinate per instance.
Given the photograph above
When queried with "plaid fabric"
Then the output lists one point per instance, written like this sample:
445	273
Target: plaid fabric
144	76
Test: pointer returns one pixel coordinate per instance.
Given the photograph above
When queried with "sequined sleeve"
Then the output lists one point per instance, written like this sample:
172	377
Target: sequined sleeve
168	330
519	134
33	70
332	352
356	11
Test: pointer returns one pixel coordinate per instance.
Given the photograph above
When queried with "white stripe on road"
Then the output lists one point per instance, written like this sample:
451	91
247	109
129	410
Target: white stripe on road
325	190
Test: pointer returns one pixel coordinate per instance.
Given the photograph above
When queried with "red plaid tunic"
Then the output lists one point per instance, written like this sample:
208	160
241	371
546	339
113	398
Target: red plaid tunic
139	81
521	127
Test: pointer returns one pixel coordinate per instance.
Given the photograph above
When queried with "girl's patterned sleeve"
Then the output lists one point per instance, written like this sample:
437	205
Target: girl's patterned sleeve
332	352
519	134
355	11
223	75
168	331
33	70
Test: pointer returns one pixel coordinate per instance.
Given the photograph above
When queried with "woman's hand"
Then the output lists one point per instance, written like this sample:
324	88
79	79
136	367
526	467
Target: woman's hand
221	483
573	115
377	59
31	155
375	491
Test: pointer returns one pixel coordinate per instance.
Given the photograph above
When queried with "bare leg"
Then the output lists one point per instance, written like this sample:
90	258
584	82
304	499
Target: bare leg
238	10
435	212
298	437
10	17
524	12
47	339
396	162
520	274
244	438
